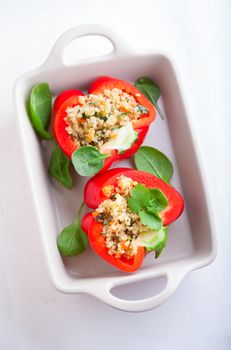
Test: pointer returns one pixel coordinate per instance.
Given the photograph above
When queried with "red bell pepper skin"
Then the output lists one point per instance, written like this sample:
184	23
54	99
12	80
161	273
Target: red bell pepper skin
93	229
116	157
109	161
63	96
102	83
93	194
70	98
97	242
142	132
141	126
86	221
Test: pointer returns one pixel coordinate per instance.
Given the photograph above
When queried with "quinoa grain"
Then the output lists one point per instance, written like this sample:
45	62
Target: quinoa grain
93	121
121	227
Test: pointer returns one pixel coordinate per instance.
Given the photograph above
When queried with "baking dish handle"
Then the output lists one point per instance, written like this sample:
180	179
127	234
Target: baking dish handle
56	57
173	277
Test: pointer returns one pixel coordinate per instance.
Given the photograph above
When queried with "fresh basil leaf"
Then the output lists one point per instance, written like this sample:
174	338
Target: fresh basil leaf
88	161
151	219
40	103
151	90
140	198
72	240
158	201
59	167
37	125
39	109
154	162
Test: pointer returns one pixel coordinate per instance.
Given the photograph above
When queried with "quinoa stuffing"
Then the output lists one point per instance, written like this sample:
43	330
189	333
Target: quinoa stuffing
92	122
121	227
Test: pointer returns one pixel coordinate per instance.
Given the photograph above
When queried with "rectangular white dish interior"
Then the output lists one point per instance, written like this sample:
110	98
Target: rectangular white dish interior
190	239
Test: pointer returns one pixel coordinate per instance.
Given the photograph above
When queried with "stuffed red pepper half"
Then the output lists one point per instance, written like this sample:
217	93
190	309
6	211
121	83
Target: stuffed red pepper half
132	209
113	117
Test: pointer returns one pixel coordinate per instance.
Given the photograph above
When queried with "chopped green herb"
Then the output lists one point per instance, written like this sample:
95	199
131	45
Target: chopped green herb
140	198
142	109
158	201
151	219
147	202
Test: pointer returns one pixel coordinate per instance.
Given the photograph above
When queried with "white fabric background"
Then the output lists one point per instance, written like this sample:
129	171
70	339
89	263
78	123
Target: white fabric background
33	315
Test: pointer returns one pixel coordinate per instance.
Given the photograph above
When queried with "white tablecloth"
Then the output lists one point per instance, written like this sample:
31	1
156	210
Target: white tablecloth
33	315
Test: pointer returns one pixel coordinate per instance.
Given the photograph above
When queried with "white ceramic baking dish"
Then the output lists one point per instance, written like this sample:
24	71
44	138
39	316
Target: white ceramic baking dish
191	240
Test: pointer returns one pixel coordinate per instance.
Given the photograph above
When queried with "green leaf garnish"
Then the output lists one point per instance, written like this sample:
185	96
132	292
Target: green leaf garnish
39	109
139	198
154	162
72	240
59	167
158	201
151	219
87	160
147	202
151	90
